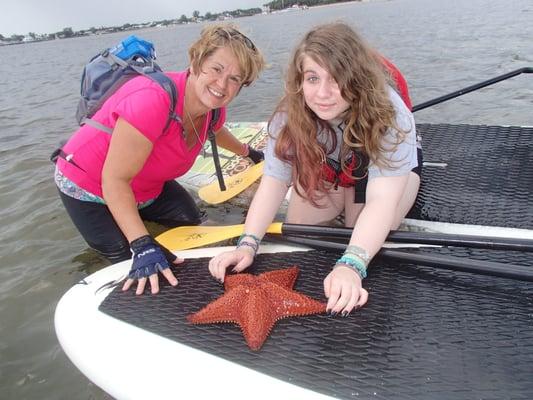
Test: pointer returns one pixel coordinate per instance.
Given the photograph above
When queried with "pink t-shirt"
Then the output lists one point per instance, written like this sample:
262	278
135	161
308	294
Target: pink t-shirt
145	105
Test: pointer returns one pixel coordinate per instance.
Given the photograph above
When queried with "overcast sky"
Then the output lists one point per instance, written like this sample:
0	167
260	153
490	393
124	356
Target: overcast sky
48	16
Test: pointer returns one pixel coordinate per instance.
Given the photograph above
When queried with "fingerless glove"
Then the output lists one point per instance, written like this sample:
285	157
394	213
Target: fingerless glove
255	155
148	257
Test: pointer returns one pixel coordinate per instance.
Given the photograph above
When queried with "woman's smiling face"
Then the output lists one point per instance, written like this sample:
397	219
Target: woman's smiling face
219	79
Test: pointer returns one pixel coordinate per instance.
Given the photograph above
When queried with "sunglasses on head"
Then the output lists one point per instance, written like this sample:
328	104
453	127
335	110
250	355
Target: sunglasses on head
234	33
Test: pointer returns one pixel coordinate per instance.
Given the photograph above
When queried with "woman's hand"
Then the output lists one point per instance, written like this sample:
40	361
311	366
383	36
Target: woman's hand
149	258
344	290
241	257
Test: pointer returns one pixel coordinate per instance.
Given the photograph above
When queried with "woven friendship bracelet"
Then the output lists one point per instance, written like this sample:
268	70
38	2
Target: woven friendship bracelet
359	252
253	246
248	235
354	262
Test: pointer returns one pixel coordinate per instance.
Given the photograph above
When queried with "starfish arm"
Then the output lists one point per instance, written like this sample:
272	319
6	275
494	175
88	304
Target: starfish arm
223	309
287	303
257	319
282	277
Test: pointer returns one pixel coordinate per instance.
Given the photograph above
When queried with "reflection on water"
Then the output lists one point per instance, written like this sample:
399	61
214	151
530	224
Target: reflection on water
441	46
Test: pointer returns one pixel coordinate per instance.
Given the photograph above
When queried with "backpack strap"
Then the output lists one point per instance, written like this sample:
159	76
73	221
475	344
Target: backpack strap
154	74
215	116
168	84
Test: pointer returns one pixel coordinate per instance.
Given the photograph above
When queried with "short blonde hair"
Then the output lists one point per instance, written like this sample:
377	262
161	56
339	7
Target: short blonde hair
216	36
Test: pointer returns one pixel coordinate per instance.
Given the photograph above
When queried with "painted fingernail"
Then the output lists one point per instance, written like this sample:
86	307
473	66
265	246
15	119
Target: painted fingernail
328	310
345	314
333	313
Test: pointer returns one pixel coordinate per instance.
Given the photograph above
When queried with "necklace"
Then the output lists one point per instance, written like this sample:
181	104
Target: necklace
195	131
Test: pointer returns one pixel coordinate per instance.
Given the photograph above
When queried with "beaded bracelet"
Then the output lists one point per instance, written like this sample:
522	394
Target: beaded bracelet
249	235
355	263
358	252
253	246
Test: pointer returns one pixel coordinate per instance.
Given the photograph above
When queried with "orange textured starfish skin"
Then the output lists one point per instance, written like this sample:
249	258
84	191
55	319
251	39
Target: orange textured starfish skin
257	302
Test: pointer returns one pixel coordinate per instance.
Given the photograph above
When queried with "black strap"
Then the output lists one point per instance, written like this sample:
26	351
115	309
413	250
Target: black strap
169	86
215	115
59	153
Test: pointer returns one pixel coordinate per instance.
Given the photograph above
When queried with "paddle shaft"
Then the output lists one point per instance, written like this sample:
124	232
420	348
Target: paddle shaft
468	89
439	261
440	239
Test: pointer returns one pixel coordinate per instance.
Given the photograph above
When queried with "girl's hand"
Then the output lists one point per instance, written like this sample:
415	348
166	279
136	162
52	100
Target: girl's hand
241	257
344	290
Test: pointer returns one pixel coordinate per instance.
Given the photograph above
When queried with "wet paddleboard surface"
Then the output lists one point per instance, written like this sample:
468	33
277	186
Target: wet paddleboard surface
424	334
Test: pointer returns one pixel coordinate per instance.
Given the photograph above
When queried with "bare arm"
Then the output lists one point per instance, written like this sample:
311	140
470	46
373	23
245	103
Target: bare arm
127	154
226	140
343	285
128	151
264	206
383	196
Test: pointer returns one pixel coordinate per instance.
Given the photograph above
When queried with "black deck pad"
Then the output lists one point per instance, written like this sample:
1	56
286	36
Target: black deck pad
487	180
425	333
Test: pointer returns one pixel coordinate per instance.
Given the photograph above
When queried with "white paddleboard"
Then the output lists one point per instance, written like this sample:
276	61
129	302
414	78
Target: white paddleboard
131	363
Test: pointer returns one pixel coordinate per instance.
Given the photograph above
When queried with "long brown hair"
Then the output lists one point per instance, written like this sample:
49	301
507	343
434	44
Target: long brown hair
362	81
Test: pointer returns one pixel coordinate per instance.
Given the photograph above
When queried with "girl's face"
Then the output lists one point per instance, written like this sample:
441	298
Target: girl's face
321	91
219	79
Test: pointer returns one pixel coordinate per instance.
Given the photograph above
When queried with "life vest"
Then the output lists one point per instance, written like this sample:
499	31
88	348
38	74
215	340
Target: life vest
332	170
356	164
401	83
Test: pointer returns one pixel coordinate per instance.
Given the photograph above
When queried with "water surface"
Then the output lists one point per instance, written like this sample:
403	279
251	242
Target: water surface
440	46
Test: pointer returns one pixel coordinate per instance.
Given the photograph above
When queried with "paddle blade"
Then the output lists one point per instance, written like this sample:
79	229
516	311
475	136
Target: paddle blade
235	184
189	237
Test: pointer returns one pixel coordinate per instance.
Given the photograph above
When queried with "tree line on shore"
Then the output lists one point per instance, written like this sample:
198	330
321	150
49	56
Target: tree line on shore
276	5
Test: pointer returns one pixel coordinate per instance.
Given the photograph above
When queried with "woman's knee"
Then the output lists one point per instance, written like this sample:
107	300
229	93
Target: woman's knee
173	207
114	251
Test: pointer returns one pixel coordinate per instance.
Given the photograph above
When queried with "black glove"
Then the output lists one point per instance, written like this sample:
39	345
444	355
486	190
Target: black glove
255	155
149	257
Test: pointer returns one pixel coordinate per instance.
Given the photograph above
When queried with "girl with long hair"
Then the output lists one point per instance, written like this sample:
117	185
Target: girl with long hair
345	139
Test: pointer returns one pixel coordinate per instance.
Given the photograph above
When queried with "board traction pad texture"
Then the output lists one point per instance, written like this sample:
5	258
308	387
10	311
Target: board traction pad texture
485	177
425	333
488	179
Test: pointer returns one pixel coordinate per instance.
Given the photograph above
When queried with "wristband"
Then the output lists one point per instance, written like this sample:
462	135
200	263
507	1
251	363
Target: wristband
255	245
355	263
255	155
358	252
248	235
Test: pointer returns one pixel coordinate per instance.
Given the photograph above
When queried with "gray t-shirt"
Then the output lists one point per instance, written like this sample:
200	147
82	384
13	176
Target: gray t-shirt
400	160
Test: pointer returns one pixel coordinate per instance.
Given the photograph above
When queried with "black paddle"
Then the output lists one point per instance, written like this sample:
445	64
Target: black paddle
440	239
468	89
439	261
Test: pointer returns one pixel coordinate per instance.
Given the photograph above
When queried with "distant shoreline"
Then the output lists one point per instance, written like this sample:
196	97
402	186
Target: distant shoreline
68	33
341	4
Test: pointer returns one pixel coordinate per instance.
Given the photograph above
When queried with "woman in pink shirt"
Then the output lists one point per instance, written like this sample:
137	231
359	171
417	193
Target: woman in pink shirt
110	183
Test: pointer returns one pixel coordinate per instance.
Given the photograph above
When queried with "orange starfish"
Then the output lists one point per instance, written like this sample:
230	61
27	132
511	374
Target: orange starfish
257	302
